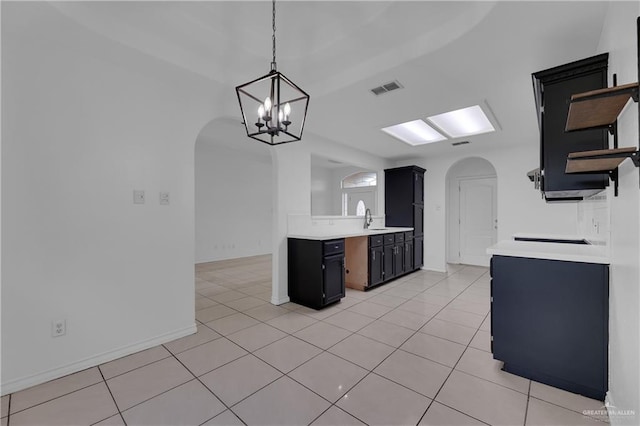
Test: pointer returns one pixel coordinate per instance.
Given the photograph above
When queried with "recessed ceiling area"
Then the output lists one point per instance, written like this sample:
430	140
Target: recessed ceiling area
446	54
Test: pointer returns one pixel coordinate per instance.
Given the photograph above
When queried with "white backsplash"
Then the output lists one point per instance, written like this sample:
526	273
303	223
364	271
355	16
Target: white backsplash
594	220
299	224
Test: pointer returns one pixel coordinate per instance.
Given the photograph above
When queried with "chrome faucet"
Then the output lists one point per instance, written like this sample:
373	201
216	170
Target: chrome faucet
367	219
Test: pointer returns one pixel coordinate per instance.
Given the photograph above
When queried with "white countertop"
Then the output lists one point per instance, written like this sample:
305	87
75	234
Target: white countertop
347	234
552	251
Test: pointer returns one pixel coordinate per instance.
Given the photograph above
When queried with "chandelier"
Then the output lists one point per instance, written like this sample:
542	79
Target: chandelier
273	107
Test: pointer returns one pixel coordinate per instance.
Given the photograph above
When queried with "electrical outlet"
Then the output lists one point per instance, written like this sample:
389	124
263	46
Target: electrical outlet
164	198
58	328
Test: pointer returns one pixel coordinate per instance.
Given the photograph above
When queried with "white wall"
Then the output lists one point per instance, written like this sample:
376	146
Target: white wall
85	122
322	192
520	208
233	202
619	38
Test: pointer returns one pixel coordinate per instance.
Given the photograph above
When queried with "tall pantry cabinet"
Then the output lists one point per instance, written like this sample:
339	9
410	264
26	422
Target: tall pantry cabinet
404	204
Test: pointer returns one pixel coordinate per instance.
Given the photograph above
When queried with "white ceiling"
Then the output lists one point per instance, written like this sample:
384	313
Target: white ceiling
447	55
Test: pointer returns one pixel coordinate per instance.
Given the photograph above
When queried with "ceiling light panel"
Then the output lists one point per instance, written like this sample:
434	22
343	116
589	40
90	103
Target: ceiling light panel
414	133
463	122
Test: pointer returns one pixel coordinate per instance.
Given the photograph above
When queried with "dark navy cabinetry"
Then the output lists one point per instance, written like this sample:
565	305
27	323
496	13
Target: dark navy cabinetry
549	321
404	206
316	271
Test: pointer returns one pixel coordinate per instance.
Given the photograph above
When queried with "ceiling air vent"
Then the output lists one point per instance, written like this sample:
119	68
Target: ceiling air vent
387	87
460	143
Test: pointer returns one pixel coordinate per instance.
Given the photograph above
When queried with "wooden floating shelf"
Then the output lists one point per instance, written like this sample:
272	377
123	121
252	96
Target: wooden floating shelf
603	160
599	108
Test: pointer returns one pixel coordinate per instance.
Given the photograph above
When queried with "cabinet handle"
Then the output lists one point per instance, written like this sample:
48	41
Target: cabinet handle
374	255
323	266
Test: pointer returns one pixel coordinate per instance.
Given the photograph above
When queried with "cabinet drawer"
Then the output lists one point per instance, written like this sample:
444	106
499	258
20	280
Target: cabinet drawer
400	237
375	240
389	239
333	247
408	235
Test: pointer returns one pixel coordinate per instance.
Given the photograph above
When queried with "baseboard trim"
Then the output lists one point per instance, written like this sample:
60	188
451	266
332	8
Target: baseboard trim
444	271
21	383
282	301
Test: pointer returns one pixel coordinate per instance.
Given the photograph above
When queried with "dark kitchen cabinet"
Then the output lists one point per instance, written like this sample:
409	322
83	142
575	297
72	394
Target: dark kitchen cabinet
316	271
408	255
404	205
553	89
376	259
389	261
549	322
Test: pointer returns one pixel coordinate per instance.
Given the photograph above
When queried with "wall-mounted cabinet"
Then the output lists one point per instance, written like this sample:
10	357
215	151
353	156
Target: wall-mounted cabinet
553	89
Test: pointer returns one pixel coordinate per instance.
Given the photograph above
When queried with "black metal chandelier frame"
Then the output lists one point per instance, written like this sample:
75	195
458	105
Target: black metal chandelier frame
273	125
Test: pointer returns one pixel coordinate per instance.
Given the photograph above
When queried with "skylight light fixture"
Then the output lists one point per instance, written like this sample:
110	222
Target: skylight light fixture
414	133
463	122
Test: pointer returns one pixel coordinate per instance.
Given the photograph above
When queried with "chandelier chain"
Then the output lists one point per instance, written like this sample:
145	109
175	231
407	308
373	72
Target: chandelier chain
273	64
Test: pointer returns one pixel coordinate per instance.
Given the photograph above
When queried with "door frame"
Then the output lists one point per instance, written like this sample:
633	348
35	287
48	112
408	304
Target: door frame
453	218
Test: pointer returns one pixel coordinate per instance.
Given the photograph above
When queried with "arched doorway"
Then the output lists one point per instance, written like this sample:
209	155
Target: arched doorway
472	200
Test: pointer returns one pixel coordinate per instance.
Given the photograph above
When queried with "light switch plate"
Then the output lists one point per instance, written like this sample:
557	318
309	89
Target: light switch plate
138	196
164	198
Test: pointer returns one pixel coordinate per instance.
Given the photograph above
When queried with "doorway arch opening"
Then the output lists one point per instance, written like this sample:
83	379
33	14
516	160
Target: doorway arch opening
472	206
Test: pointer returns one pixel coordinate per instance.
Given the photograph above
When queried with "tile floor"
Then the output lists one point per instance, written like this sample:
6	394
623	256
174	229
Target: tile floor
415	351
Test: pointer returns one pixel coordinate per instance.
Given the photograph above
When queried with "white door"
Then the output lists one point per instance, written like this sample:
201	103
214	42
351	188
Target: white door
354	197
478	219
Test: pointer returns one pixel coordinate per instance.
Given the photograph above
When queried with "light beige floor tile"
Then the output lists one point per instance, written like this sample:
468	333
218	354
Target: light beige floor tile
232	323
291	322
347	302
322	334
349	320
212	291
440	415
542	413
112	421
204	302
213	313
245	303
256	336
187	404
253	289
482	341
405	319
484	400
329	376
203	335
449	330
146	382
420	307
288	353
240	378
133	361
474	308
5	405
227	296
461	317
390	301
321	314
417	373
211	355
283	402
378	401
53	389
400	292
334	417
4	421
227	418
434	299
386	332
266	312
434	348
486	324
361	350
369	309
481	364
559	397
85	406
472	297
264	296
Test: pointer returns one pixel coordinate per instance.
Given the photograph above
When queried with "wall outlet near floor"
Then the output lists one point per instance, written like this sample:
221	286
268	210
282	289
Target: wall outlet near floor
58	328
164	198
138	196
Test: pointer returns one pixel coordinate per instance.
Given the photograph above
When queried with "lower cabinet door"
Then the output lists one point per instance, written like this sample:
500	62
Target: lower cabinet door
376	265
389	262
398	260
408	256
333	278
418	252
